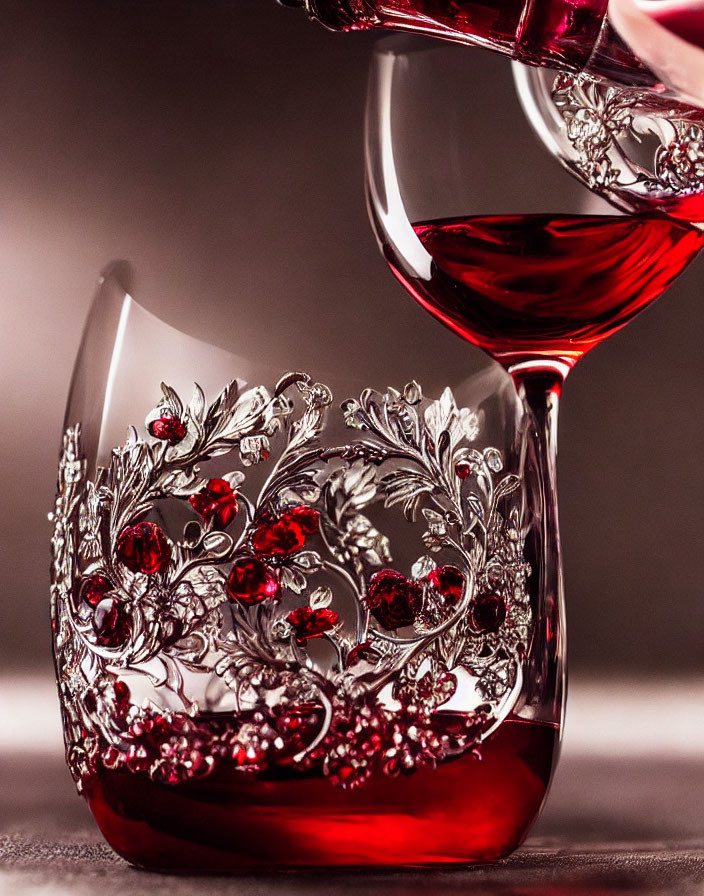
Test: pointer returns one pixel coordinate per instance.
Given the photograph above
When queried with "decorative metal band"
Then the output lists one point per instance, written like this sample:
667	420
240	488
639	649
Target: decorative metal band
309	649
628	141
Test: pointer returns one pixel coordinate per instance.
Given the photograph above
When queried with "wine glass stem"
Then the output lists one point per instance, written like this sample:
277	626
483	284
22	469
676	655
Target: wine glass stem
540	393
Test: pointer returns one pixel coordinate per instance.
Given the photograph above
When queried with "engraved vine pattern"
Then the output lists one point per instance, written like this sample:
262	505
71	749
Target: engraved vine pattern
629	143
316	652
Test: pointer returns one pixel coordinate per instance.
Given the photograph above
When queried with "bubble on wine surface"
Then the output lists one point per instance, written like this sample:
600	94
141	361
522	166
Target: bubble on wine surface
640	151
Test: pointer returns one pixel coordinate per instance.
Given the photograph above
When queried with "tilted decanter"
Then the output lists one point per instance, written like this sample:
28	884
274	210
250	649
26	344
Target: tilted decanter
572	35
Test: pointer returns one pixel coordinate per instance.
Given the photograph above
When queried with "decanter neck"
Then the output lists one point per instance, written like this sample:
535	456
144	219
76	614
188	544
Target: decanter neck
571	35
341	15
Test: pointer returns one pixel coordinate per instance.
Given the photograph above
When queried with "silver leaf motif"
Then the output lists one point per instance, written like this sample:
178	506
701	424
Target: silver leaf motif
237	612
630	145
321	597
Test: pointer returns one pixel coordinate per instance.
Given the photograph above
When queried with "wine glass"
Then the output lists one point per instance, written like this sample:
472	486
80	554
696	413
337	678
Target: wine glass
528	261
642	152
290	611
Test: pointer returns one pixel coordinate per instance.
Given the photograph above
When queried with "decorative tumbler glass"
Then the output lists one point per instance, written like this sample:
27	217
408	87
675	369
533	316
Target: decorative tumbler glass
298	623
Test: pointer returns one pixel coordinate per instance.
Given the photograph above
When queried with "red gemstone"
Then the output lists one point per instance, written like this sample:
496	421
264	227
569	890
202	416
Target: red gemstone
394	600
308	623
112	757
462	469
143	548
168	428
216	501
298	726
437	688
362	653
111	623
251	581
122	697
138	758
94	588
449	582
287	533
488	612
243	755
298	718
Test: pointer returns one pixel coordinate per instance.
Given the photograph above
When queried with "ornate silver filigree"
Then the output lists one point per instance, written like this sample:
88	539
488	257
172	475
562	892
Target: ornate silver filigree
630	145
235	598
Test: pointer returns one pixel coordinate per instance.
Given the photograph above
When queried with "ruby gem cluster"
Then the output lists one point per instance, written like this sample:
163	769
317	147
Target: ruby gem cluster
236	599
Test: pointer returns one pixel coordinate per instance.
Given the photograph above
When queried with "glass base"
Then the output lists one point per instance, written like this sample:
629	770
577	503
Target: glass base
470	809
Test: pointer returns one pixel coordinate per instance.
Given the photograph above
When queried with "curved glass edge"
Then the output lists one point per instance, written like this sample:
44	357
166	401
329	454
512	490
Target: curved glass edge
126	349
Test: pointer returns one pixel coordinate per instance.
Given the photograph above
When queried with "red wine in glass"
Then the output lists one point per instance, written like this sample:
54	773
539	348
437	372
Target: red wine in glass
535	291
530	285
227	820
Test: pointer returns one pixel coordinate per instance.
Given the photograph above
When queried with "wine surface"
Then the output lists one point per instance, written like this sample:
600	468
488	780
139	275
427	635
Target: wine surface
525	287
466	810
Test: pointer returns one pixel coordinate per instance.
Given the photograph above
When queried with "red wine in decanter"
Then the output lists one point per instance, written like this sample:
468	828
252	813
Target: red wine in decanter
573	35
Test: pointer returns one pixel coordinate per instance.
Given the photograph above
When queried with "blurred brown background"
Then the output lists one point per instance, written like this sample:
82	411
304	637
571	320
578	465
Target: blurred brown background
218	145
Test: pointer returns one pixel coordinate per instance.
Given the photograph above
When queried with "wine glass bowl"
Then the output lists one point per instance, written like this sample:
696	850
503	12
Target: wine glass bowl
534	263
458	195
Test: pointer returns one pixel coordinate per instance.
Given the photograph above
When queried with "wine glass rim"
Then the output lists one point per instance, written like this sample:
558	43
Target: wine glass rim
121	274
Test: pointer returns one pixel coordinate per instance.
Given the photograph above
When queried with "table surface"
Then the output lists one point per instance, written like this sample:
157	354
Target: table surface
619	820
